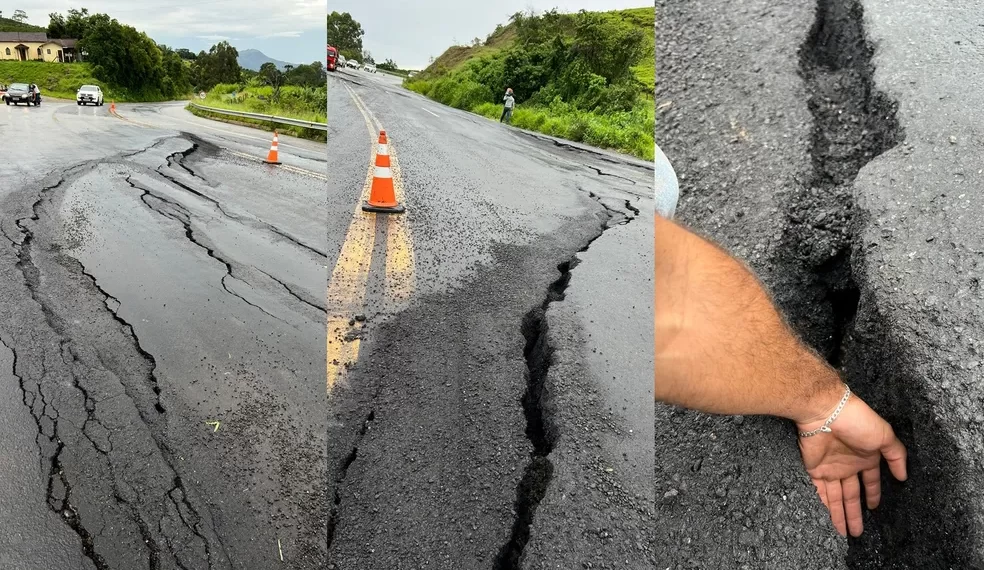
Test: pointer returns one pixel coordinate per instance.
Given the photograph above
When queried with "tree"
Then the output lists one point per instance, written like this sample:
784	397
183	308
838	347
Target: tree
74	26
344	32
313	75
219	65
176	81
274	78
388	65
123	56
367	57
19	16
608	46
185	53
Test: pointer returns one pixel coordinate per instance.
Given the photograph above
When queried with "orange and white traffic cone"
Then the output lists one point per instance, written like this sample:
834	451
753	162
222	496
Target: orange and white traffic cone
274	156
112	107
382	198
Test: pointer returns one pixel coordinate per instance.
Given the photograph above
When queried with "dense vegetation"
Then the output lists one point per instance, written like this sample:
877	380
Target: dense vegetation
345	34
130	61
588	76
17	24
299	93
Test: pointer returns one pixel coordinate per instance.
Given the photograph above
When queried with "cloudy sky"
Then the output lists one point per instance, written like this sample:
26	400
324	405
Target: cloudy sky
289	30
410	33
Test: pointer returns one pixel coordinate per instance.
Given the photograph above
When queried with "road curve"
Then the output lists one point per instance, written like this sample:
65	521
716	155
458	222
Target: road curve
162	343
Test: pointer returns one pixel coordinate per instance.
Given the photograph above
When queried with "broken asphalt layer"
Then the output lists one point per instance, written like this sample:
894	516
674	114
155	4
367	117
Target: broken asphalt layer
500	405
162	326
839	162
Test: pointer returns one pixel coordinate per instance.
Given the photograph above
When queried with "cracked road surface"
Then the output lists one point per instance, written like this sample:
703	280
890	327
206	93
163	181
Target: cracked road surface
843	165
499	416
162	340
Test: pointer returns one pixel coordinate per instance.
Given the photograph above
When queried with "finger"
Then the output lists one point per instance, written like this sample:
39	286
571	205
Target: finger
852	504
895	454
822	491
835	503
872	486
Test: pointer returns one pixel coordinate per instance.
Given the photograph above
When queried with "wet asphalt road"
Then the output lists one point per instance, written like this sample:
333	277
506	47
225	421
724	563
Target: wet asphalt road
482	281
163	343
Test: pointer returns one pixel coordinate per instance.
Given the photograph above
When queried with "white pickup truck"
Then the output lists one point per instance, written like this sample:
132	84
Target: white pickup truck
89	94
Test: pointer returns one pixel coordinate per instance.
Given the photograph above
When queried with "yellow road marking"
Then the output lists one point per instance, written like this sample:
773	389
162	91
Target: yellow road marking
347	287
400	260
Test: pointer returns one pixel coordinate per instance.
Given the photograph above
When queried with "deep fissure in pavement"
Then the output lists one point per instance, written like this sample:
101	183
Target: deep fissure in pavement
538	405
340	479
920	523
59	490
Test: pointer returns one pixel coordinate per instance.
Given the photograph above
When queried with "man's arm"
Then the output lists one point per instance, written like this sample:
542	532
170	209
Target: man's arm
721	346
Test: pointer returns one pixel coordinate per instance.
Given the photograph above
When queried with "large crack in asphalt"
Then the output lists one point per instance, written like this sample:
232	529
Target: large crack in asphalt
538	406
179	159
59	489
821	287
343	472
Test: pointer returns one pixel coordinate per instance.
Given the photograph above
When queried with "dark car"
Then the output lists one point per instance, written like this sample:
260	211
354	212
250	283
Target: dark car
19	93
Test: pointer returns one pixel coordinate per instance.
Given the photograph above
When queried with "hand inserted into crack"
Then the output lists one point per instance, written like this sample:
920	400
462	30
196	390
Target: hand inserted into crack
722	347
855	445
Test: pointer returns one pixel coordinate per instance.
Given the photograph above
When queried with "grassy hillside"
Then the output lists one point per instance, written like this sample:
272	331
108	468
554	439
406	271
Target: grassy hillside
61	80
587	77
302	103
8	25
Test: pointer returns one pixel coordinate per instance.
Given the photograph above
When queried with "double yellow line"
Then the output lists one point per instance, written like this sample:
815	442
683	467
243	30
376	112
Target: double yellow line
350	276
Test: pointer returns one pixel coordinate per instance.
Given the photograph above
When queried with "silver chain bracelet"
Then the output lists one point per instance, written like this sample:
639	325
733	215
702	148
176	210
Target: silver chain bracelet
825	428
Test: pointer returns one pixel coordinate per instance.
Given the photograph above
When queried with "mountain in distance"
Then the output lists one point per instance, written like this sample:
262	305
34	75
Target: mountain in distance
254	58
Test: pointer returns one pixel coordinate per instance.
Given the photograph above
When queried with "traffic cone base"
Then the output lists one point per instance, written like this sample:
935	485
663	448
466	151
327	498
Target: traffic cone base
398	209
382	197
273	157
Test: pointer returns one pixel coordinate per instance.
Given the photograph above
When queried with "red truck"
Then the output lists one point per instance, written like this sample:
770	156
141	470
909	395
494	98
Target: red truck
332	59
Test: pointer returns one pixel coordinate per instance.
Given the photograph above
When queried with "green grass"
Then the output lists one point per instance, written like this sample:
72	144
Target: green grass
62	80
295	102
8	25
627	132
456	79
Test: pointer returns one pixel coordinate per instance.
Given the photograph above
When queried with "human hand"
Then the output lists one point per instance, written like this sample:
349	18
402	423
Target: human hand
859	438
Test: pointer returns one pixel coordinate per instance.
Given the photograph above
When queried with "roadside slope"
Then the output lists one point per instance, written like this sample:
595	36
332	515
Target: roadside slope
586	77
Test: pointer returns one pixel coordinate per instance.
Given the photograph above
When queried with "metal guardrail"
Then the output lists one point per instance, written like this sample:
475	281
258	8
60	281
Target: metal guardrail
261	117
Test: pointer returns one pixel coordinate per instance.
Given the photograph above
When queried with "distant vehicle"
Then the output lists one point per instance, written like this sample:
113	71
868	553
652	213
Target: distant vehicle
332	59
341	60
369	67
411	74
89	94
352	64
19	93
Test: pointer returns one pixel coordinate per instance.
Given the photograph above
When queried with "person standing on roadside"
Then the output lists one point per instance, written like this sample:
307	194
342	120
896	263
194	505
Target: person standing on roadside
509	102
722	347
